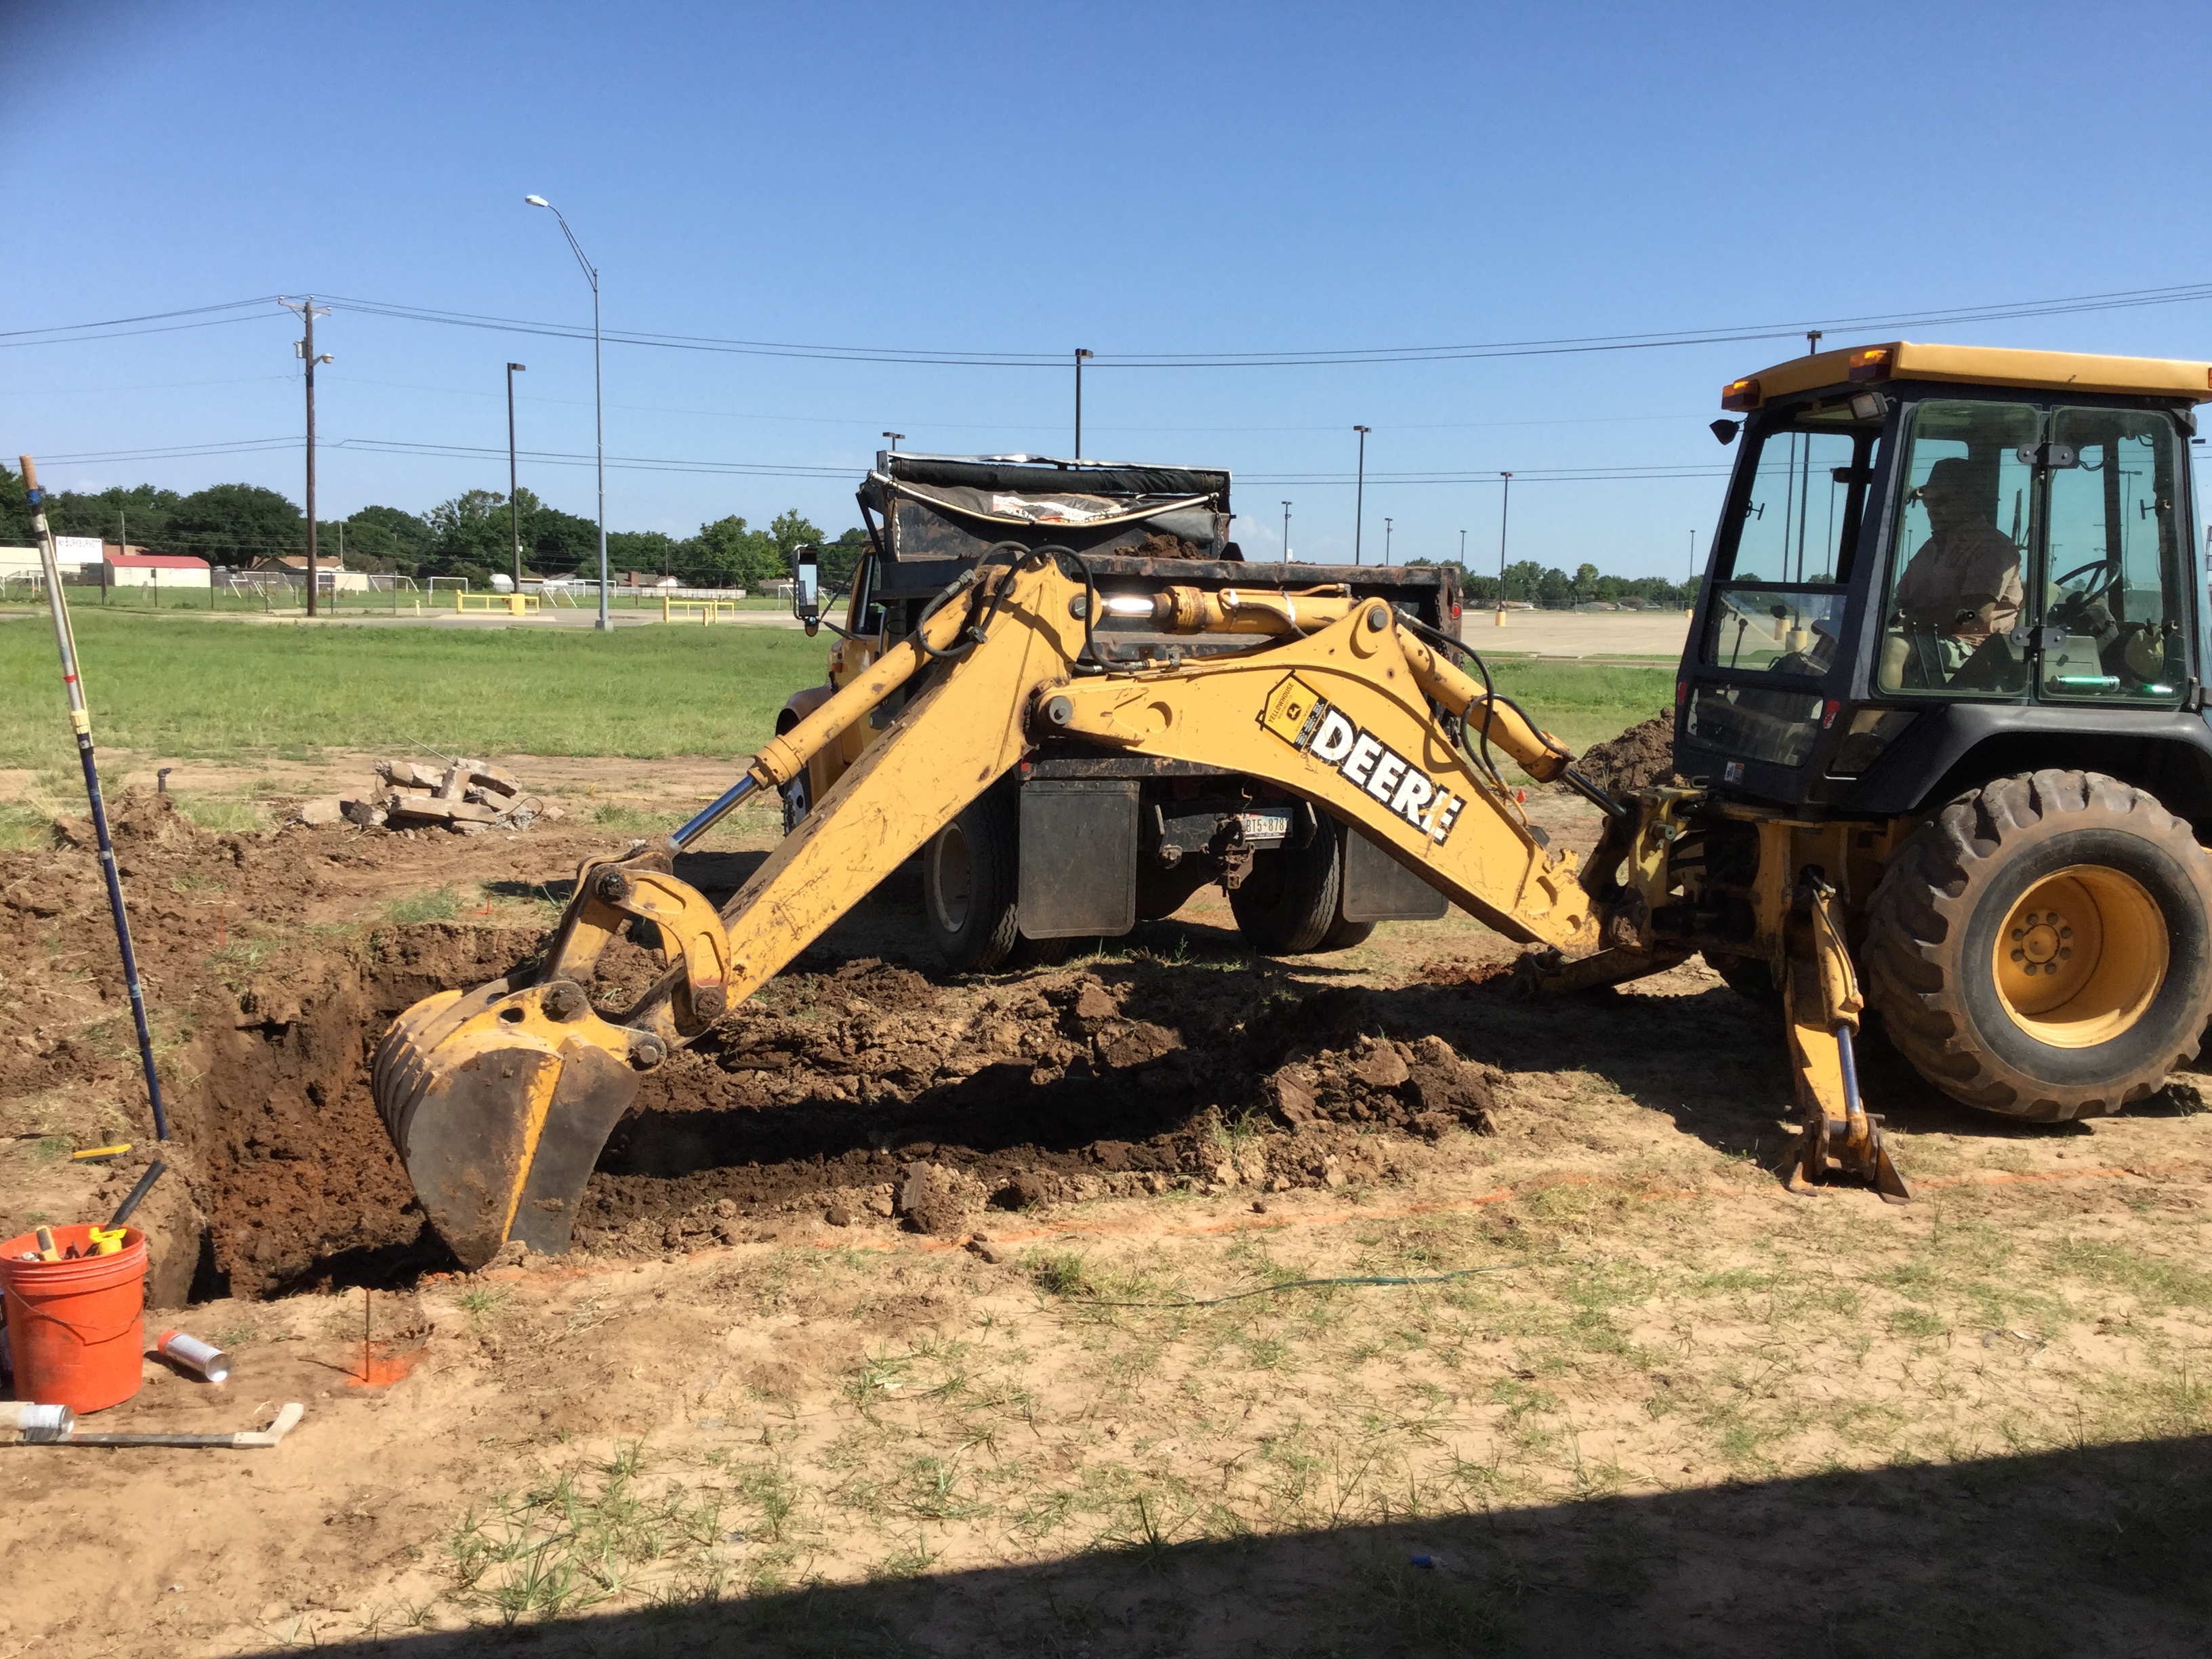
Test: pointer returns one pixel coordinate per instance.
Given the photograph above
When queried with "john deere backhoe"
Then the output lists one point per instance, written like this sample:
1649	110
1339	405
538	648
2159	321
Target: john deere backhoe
1941	710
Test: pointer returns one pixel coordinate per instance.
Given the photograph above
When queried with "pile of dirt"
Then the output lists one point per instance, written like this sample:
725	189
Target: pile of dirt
847	1090
1638	758
1422	1087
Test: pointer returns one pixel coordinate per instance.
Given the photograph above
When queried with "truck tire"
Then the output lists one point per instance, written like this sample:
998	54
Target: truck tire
970	869
2043	948
1749	978
1288	906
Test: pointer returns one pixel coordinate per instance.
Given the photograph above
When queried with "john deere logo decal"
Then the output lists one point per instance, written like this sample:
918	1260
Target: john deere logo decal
1301	717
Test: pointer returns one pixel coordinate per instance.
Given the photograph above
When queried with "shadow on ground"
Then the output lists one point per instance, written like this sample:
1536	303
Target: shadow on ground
2105	1549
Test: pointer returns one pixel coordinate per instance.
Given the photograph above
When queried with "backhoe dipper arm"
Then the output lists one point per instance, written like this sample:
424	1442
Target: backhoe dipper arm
500	1099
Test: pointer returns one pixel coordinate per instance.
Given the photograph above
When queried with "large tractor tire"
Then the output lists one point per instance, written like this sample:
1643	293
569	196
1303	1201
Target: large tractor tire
2043	948
1286	906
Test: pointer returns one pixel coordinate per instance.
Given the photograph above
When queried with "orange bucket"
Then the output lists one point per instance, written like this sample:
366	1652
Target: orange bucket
76	1330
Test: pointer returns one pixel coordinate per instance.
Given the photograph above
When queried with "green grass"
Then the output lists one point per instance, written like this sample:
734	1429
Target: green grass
1585	702
183	688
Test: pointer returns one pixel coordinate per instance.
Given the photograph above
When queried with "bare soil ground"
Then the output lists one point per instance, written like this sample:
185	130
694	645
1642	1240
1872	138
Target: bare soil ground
893	1325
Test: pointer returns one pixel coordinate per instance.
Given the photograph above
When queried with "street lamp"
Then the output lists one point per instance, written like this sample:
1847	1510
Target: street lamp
1080	354
514	511
598	403
895	437
1503	505
1360	495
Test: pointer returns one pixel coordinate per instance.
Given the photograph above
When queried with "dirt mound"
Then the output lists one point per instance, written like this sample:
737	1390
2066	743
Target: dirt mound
861	1089
1639	757
1420	1086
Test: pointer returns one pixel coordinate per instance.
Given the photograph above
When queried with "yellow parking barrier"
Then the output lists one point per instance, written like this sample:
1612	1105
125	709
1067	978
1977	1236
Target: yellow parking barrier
515	604
709	611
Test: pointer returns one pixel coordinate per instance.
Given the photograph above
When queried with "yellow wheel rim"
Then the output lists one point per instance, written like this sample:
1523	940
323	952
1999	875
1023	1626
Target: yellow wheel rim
2081	957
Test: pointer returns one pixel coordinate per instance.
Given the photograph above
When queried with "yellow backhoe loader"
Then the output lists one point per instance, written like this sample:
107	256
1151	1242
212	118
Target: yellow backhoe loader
1970	761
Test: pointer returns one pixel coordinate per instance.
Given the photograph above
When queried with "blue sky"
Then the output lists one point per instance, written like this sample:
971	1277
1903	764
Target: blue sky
1027	179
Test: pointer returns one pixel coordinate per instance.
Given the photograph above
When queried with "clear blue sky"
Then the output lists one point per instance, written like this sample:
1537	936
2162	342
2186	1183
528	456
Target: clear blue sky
1027	179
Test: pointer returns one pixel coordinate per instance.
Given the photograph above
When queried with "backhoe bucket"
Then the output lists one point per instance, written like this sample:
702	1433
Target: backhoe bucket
498	1100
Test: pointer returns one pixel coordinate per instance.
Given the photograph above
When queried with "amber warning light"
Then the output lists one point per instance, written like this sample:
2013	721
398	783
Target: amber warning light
1871	364
1740	394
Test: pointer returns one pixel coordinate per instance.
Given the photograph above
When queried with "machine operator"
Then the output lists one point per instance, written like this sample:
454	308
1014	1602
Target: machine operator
1962	586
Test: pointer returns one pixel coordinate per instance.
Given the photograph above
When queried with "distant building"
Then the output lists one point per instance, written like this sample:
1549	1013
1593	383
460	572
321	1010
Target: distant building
330	575
121	569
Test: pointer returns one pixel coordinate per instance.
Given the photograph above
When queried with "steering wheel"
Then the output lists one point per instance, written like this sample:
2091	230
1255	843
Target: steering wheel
2097	591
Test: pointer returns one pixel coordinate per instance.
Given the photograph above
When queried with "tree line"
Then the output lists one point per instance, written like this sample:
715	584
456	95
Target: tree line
236	525
1551	589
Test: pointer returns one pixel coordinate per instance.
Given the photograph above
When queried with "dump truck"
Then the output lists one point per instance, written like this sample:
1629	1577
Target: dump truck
1941	711
1076	842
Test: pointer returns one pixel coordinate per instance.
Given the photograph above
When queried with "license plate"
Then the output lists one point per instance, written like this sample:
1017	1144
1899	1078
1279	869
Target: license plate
1266	826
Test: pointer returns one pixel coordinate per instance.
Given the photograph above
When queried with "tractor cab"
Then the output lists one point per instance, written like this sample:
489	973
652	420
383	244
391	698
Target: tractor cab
1939	564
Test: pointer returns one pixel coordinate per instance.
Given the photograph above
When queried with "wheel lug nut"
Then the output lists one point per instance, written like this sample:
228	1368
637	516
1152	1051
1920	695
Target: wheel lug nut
2066	932
2019	933
2020	955
2064	951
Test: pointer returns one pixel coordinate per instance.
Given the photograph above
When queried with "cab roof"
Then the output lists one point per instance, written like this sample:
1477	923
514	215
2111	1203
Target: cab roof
1903	360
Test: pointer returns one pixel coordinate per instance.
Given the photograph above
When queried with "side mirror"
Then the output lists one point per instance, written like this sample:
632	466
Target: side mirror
1726	431
806	587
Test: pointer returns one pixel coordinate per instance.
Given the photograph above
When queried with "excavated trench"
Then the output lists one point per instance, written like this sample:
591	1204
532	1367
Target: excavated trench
845	1090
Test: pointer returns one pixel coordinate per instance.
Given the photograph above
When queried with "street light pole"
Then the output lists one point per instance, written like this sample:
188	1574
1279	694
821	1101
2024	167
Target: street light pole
1080	354
1505	506
598	400
895	437
514	511
1359	494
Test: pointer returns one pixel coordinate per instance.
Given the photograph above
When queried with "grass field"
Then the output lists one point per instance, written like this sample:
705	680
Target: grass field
170	686
186	690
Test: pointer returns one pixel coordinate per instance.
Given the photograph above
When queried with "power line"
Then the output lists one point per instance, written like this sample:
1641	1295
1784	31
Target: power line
1658	473
2126	299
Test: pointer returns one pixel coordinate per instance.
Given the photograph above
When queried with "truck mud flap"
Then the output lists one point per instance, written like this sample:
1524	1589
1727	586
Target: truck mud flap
1079	840
1377	887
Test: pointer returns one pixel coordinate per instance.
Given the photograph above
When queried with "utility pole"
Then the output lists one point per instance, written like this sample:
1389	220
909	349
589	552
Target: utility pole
1359	494
1080	354
1386	540
1286	542
514	511
895	437
1505	506
306	349
1462	549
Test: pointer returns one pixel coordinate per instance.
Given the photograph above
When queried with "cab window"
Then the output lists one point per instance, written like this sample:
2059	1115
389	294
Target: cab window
1788	550
1957	586
2113	609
